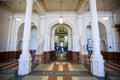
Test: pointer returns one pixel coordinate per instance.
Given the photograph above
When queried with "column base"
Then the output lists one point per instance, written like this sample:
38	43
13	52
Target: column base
97	67
24	64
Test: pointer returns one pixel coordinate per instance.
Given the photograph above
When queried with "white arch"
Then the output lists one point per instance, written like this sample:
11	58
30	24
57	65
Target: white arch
33	40
103	34
52	29
65	22
33	24
105	30
22	25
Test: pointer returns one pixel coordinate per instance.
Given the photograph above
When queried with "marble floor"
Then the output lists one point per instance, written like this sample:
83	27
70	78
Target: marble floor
57	71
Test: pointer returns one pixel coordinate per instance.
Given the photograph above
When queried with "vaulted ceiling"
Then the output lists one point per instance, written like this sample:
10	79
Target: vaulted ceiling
54	5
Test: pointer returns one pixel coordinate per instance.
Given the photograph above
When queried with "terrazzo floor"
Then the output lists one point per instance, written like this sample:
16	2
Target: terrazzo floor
47	72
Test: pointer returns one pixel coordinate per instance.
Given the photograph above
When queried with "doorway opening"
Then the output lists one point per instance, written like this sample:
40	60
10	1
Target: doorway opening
61	43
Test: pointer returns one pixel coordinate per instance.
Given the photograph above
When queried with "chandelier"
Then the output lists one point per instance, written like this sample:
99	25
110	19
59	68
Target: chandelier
61	18
18	18
106	17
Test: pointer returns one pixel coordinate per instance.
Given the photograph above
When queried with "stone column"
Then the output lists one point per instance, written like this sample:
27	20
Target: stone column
25	58
97	62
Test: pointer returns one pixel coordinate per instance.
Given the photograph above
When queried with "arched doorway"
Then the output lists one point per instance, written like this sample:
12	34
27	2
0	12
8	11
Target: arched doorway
89	39
33	38
103	36
61	42
20	36
61	33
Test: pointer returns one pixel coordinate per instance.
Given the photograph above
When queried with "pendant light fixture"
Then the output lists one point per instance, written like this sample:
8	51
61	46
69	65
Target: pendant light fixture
18	18
61	18
106	17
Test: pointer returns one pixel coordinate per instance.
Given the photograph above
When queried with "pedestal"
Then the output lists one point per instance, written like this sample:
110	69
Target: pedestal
84	59
24	64
38	59
97	66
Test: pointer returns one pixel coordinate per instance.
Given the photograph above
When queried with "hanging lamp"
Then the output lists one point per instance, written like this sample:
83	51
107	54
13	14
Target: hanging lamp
61	18
106	17
18	18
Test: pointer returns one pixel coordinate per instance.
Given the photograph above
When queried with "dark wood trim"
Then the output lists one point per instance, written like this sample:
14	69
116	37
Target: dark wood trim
111	56
13	55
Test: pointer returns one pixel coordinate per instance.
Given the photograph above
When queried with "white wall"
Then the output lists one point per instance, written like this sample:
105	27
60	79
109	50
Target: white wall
15	27
33	41
70	18
108	25
117	13
77	22
116	19
4	29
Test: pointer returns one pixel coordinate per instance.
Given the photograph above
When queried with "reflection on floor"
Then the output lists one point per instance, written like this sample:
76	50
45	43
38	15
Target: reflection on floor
58	71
